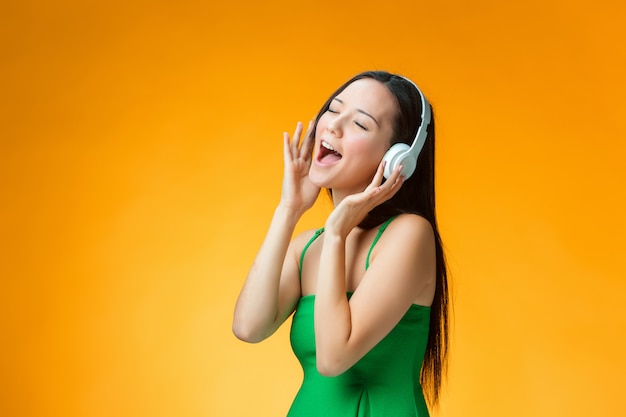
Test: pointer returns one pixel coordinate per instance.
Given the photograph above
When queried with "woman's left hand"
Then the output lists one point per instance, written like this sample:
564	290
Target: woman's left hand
352	209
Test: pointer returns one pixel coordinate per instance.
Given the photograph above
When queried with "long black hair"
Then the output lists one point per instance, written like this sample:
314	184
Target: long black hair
417	195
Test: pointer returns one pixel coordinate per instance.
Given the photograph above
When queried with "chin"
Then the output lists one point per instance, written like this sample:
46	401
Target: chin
317	178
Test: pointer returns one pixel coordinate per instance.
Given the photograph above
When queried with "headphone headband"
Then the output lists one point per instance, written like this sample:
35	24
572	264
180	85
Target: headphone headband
403	154
422	130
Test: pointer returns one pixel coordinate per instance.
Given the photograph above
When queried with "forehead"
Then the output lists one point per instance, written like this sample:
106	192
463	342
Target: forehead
371	96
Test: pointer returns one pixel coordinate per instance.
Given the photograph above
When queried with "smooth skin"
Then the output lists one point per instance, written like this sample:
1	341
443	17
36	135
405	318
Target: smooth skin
402	264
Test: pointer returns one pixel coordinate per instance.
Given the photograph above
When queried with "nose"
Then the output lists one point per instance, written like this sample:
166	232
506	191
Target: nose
334	126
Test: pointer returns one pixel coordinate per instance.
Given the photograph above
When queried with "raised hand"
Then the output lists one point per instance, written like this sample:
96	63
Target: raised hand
352	209
298	193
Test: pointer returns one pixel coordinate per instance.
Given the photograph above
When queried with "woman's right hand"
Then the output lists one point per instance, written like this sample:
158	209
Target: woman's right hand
298	193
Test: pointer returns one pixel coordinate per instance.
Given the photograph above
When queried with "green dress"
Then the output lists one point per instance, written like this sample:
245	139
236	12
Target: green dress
384	383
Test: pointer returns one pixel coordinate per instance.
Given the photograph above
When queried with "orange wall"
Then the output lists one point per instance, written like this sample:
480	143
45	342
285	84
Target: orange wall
140	161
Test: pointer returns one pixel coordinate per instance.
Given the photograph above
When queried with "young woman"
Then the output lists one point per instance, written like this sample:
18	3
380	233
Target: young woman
369	290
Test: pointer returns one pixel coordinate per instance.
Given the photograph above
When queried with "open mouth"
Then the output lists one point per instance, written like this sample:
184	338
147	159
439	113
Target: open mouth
327	154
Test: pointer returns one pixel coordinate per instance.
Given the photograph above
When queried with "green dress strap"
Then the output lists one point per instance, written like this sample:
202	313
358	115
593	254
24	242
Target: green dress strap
315	236
381	229
318	232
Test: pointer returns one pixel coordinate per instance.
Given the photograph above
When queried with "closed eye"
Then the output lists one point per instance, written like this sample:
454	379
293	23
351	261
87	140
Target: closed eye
361	126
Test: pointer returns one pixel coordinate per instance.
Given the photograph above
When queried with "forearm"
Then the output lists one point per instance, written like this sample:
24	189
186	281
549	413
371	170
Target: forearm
332	309
257	308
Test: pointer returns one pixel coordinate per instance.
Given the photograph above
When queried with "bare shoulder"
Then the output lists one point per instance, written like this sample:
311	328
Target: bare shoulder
302	238
300	241
412	219
408	240
407	228
408	248
305	236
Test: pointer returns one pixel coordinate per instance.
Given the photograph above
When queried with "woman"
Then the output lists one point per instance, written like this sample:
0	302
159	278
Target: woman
369	290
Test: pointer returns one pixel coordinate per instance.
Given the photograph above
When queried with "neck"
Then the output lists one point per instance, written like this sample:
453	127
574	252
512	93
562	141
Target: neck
339	194
338	197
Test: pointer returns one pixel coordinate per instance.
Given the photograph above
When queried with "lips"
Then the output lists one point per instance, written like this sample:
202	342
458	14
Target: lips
327	155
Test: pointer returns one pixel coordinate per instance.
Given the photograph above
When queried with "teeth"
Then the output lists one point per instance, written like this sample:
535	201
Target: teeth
327	146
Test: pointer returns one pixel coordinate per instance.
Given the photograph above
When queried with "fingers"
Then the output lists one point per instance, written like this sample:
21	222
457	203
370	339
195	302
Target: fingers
394	182
378	176
287	156
290	144
297	146
387	190
295	142
308	142
396	178
391	182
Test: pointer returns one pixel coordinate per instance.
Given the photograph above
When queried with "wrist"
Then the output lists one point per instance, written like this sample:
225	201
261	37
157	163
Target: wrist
332	233
287	213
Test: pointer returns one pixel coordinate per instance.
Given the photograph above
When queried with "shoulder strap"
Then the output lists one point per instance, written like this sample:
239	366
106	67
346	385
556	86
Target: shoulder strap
315	236
381	229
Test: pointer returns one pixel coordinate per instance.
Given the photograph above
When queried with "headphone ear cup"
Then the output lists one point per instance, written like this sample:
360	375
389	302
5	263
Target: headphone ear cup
408	163
394	157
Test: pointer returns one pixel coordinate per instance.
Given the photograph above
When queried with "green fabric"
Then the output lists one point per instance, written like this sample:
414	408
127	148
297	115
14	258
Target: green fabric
378	235
315	236
384	383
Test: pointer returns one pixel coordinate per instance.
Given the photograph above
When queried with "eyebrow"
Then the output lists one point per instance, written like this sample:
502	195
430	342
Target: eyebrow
361	111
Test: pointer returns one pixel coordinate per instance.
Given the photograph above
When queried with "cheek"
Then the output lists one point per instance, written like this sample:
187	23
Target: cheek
371	151
321	125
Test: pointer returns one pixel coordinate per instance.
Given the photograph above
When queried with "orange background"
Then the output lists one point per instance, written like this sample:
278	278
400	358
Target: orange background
140	151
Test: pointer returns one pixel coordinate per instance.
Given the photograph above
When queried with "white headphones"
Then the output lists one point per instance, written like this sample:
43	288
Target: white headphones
403	154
